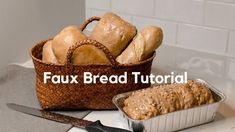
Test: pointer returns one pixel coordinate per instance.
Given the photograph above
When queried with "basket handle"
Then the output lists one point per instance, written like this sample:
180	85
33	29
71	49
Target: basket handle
88	21
95	43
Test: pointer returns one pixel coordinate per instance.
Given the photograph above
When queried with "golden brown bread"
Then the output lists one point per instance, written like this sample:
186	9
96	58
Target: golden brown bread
201	94
88	54
85	54
66	38
163	99
185	95
142	46
48	55
113	32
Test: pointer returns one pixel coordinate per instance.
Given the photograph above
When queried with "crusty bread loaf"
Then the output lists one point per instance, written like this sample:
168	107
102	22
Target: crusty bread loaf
163	99
113	32
48	55
66	38
142	46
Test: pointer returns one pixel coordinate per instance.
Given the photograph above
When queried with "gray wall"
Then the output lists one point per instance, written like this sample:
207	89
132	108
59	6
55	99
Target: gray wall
25	22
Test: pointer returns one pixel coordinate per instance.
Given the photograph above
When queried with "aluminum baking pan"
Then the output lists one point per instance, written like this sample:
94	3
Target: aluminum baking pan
173	121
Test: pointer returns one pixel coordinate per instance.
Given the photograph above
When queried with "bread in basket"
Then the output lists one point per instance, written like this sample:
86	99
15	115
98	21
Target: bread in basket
84	96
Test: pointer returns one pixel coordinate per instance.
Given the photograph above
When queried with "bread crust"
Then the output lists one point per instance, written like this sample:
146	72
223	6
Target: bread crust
163	99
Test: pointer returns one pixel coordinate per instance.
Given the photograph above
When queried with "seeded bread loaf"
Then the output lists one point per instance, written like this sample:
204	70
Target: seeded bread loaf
163	99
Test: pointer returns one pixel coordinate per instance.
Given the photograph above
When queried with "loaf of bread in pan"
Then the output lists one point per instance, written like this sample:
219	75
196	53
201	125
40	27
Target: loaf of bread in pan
142	46
163	99
113	32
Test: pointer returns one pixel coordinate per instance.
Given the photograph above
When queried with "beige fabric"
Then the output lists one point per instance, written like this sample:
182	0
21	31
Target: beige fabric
48	55
66	38
142	46
88	54
113	32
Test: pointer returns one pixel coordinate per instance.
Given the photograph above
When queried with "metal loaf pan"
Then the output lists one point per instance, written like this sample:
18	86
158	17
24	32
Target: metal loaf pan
173	121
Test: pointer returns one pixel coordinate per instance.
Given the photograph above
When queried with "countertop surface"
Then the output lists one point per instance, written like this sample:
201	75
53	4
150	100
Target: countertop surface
218	70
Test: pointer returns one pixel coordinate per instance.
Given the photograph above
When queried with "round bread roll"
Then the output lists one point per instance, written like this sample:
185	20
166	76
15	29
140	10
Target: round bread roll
113	32
142	46
88	54
48	55
66	38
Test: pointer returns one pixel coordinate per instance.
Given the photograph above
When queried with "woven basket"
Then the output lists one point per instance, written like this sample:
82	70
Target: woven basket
84	96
